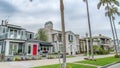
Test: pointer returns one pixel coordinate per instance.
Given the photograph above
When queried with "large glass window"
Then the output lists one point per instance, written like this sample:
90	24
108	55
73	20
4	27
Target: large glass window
10	48
13	48
20	48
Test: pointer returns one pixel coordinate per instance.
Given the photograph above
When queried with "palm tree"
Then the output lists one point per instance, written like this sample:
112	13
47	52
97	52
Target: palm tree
115	12
109	13
89	25
114	26
63	33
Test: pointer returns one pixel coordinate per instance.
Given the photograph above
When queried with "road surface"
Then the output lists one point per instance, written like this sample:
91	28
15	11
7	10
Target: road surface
115	66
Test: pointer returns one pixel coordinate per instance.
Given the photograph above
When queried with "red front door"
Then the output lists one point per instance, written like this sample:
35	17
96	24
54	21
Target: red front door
34	49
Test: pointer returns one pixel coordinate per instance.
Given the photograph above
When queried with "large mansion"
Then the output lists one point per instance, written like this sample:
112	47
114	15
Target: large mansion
55	37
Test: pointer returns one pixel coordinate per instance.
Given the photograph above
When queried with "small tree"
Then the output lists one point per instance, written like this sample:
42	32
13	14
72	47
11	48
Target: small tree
40	35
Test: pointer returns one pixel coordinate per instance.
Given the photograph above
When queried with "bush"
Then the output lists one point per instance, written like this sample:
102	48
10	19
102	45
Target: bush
17	58
117	56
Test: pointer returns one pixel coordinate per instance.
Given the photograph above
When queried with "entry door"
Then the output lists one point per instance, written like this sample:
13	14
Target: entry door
34	49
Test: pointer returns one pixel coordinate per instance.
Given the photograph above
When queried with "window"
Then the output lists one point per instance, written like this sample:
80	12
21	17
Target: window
70	38
10	49
60	37
20	47
30	36
3	29
29	49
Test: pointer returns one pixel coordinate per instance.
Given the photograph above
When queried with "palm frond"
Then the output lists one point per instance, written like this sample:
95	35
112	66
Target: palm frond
107	8
84	0
99	5
31	0
116	3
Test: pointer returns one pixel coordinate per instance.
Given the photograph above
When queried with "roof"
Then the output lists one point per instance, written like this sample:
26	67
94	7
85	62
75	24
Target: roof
42	43
30	32
102	37
14	26
45	44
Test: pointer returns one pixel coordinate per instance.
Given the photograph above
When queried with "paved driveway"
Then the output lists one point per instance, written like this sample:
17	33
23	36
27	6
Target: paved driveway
33	63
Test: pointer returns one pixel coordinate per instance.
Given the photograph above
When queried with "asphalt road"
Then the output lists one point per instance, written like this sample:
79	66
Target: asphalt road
115	66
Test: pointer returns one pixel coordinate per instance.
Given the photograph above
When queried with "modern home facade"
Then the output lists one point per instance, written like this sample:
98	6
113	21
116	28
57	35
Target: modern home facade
15	40
55	37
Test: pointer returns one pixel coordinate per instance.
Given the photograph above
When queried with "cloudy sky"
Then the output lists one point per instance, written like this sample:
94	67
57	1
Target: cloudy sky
33	15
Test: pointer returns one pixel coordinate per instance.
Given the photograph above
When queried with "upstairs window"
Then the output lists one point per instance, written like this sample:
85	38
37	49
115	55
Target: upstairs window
30	36
70	38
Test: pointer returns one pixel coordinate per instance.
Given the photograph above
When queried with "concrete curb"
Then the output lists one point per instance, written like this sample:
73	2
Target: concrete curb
110	64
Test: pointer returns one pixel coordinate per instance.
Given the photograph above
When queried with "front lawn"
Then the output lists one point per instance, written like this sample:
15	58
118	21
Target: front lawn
72	65
101	61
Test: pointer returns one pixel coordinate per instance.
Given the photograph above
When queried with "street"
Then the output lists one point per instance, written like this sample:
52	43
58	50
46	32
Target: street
115	66
33	63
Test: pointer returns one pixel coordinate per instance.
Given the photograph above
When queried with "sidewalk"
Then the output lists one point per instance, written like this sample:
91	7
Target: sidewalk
33	63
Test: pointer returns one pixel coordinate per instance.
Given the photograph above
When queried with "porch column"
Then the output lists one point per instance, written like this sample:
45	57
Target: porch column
7	48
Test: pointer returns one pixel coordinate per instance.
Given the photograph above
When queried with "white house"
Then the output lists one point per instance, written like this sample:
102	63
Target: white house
15	40
55	37
100	40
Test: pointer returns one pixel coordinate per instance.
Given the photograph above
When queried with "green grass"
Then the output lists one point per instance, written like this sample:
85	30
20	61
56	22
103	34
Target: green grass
72	66
70	56
101	61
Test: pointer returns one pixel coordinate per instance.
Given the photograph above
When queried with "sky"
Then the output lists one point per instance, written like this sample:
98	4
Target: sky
33	15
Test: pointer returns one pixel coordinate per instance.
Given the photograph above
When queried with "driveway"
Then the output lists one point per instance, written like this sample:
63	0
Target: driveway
33	63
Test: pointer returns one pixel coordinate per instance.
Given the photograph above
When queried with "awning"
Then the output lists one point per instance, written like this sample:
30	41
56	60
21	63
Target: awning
45	44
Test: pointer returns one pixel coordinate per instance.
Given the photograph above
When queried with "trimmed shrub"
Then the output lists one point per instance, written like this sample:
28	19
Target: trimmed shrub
117	56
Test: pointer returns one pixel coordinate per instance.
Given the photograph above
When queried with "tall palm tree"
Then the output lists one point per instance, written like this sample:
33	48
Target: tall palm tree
114	26
115	12
89	25
63	32
109	13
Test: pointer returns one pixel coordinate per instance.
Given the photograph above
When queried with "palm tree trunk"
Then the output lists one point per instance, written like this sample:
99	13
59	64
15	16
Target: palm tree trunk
117	41
63	33
113	34
89	25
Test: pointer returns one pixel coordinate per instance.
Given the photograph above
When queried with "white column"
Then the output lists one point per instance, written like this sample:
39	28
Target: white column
7	48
